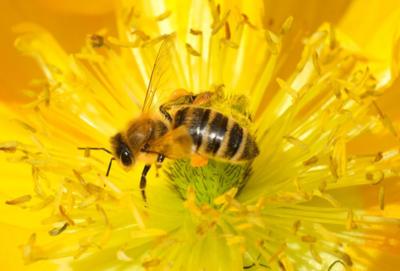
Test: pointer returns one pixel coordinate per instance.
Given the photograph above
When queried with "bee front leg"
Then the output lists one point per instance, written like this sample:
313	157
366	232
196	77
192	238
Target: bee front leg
143	181
160	159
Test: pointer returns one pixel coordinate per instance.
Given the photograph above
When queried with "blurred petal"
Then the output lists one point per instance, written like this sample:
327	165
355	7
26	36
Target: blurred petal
374	27
87	7
16	71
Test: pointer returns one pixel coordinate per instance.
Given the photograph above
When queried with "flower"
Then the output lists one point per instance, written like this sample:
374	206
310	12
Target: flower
289	209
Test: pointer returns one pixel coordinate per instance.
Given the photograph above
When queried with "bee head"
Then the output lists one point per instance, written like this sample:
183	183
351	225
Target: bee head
121	150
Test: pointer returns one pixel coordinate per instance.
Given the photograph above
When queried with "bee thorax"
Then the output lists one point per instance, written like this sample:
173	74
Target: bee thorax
144	130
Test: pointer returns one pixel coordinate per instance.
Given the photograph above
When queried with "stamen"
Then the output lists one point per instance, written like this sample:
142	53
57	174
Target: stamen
37	183
286	26
350	224
296	226
124	44
43	204
312	160
272	42
65	216
375	176
317	66
121	255
195	32
315	254
217	25
142	35
19	200
277	253
381	198
90	57
97	41
164	15
308	239
57	231
151	263
136	214
247	21
10	146
103	214
191	50
296	142
27	249
227	31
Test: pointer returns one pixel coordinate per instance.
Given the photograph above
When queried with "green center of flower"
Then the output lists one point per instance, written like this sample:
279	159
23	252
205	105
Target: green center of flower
208	181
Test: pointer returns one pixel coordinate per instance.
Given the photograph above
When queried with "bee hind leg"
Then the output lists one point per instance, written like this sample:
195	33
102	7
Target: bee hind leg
203	98
188	98
197	160
180	101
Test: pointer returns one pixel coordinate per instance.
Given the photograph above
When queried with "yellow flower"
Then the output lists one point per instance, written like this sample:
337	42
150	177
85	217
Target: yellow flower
318	196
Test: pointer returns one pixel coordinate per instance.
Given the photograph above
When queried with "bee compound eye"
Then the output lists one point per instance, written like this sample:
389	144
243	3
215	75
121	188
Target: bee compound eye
126	158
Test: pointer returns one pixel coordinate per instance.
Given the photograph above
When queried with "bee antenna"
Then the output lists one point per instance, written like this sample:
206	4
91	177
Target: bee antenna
95	149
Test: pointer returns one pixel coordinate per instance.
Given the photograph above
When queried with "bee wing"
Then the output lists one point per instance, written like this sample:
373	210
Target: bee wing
175	144
159	73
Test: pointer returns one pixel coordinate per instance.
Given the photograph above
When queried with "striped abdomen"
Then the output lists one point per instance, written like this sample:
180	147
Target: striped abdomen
216	135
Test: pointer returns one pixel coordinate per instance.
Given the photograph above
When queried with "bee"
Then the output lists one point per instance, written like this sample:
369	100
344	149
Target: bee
183	127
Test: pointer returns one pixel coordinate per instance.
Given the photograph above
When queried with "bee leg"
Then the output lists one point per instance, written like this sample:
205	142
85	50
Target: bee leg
143	181
202	98
109	166
164	110
180	101
160	159
197	160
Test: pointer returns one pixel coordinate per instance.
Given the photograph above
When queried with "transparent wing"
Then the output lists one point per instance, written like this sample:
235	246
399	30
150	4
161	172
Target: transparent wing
160	72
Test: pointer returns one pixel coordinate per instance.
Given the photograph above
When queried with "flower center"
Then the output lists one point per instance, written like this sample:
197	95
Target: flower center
208	181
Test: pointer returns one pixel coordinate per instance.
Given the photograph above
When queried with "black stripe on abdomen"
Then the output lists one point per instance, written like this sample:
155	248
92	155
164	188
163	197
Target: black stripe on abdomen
199	120
235	138
216	132
180	117
250	150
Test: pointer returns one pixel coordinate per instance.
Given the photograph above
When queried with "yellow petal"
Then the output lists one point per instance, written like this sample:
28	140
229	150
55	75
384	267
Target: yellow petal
374	26
88	7
16	72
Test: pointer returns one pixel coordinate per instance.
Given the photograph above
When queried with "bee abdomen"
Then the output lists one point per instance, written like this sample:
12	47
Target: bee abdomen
214	134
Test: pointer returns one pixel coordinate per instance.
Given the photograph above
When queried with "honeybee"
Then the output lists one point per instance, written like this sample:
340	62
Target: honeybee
183	127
